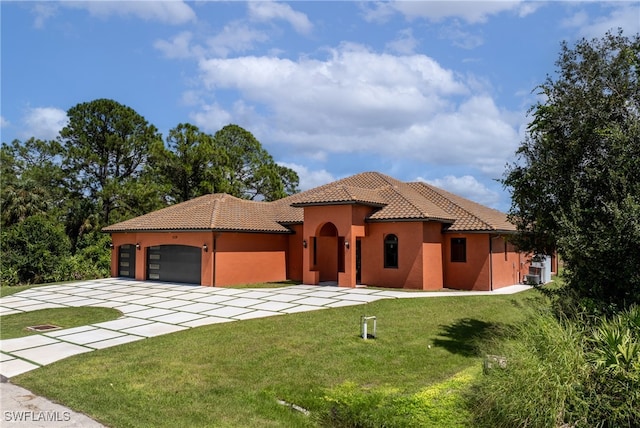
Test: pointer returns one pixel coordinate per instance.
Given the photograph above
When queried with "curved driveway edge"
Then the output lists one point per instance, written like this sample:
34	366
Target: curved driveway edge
152	309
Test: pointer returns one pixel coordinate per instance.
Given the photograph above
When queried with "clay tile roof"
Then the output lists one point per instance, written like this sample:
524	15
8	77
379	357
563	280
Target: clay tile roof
470	216
341	194
392	200
208	212
396	199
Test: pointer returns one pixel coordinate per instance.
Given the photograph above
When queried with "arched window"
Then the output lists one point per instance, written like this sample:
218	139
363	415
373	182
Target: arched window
391	251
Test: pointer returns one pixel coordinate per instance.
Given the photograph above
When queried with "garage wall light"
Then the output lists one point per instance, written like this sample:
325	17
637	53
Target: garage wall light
205	248
137	246
304	243
111	245
346	244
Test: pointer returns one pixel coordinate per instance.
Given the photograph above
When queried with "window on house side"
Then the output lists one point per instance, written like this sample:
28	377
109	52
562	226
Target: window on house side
459	250
391	251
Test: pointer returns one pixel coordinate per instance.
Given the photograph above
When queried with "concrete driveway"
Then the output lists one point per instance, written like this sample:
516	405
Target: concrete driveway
152	309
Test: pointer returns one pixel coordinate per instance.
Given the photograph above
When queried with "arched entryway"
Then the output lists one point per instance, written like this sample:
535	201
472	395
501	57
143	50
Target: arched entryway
329	252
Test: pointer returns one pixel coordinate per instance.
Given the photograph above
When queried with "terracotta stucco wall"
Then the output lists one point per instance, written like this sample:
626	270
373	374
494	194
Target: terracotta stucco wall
246	258
505	263
433	270
474	273
294	255
409	273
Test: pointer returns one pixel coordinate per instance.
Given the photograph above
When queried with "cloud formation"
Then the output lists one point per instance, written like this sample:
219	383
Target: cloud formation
270	10
472	12
43	122
358	100
466	186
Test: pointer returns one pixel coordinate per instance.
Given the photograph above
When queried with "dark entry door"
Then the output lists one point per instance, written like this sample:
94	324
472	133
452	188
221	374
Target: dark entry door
127	261
358	261
174	263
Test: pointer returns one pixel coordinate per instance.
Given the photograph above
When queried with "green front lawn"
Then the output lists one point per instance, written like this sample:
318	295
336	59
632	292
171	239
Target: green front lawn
233	374
15	325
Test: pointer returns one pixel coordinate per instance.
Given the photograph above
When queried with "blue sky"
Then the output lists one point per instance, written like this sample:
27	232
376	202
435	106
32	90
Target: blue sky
420	90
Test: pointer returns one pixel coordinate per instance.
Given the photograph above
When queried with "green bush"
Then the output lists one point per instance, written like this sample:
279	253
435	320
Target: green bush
614	357
563	373
37	250
34	250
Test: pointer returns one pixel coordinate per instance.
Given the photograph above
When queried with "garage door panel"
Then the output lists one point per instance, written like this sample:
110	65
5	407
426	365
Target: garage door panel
174	263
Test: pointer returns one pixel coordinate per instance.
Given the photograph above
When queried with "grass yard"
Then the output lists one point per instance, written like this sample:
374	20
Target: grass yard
15	325
233	374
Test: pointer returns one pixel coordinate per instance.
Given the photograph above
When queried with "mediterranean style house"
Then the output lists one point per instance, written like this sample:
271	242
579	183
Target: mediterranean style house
365	229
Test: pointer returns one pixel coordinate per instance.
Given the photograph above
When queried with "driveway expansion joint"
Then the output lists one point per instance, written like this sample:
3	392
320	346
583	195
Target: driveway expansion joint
151	309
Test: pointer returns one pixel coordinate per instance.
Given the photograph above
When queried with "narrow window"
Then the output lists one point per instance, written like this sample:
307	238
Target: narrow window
391	251
315	251
459	250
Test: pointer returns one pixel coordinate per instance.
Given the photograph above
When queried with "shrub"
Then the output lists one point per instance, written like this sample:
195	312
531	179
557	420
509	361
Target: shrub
563	373
540	383
34	249
614	357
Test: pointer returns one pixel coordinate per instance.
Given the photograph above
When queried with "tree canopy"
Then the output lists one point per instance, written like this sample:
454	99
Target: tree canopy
575	186
106	146
107	165
232	161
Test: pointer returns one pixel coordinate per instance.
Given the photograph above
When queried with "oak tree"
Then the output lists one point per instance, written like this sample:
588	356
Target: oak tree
576	183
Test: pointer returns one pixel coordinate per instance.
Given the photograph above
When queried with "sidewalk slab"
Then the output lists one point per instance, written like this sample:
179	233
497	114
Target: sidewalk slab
122	323
26	342
153	329
47	354
87	337
115	341
15	367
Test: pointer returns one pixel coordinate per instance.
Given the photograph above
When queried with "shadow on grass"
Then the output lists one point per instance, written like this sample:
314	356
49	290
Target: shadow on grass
464	336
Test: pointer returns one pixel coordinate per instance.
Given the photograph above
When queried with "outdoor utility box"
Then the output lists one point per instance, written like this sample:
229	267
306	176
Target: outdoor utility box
540	267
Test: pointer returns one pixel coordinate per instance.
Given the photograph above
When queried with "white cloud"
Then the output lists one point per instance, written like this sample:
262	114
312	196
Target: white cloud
459	37
405	43
622	15
179	47
466	186
469	11
310	179
359	101
235	37
269	10
174	12
43	122
211	118
43	11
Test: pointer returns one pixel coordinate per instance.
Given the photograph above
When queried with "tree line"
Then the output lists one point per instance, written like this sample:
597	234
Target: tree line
109	164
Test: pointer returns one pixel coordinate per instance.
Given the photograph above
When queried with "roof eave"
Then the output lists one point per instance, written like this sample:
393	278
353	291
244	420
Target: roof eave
498	231
315	204
198	230
409	219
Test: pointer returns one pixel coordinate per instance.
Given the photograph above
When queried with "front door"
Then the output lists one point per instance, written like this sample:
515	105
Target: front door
358	261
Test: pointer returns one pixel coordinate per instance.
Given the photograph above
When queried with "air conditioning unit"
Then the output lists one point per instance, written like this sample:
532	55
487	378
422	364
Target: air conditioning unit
532	279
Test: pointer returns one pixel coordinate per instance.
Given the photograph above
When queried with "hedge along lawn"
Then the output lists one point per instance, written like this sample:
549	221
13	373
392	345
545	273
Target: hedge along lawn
232	374
15	325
